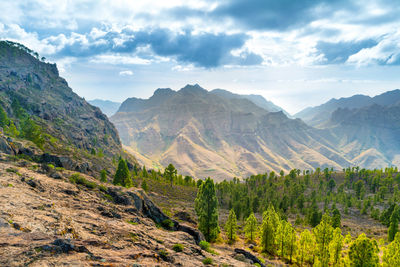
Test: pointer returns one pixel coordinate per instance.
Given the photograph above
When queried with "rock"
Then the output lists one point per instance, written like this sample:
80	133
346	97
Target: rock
184	216
119	197
5	147
197	235
56	175
35	184
249	256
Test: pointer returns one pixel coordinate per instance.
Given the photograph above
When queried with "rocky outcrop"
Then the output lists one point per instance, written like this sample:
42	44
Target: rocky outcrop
142	203
249	256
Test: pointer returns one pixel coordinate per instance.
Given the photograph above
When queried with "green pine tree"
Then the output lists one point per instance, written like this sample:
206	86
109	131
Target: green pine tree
250	227
231	226
206	206
3	118
103	176
269	230
391	255
122	176
323	234
170	173
144	185
335	246
394	224
363	252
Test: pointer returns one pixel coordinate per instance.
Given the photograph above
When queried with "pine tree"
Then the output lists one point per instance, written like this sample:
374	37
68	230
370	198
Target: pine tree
335	246
290	242
394	224
363	252
250	227
144	172
103	176
281	234
144	185
269	229
122	176
231	226
336	218
323	236
391	255
306	247
170	173
3	118
206	206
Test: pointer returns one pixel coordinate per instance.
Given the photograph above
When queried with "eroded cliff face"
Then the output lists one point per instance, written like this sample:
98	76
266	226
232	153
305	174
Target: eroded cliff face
73	127
207	134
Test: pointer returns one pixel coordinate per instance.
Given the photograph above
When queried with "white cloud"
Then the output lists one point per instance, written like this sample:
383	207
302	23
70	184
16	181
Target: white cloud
120	60
126	73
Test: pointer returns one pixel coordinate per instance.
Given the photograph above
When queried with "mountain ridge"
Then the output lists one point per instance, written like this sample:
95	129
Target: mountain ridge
206	134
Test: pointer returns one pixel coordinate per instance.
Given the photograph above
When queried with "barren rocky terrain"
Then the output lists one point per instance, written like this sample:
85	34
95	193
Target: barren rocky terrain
52	222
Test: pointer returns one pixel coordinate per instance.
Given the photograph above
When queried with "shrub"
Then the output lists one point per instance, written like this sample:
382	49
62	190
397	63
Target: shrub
178	247
204	245
51	166
167	224
207	261
78	179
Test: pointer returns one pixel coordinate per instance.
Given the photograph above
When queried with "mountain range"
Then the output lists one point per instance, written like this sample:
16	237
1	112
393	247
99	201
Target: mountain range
220	134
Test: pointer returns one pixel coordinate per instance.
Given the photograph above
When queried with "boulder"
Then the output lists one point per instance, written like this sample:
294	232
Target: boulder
249	256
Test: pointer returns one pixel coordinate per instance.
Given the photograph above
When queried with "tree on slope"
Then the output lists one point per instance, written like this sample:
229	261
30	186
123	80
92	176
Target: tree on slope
250	227
335	246
122	176
323	236
363	252
206	206
394	223
170	173
391	255
269	230
306	248
231	226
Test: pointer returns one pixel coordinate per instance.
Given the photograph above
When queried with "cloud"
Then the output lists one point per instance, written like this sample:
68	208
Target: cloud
126	73
335	53
386	52
200	49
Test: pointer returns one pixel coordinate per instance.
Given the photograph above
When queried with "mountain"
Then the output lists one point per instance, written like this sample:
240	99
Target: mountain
106	106
368	136
319	115
256	99
214	134
55	125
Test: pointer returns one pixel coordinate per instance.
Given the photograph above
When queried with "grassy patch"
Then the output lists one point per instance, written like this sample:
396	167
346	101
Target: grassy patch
178	247
78	179
207	261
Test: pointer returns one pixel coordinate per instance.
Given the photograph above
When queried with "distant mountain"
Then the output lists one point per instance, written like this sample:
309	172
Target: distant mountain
63	128
219	134
106	106
369	136
318	116
256	99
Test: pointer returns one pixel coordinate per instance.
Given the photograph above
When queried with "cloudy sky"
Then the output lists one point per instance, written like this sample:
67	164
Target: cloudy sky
295	53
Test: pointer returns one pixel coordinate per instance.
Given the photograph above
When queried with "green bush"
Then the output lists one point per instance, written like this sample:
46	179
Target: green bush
204	245
167	224
51	166
78	179
178	247
207	261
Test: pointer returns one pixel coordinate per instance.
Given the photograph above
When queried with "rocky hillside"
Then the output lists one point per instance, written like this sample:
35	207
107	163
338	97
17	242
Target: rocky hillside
46	111
369	135
318	116
51	218
256	99
207	134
